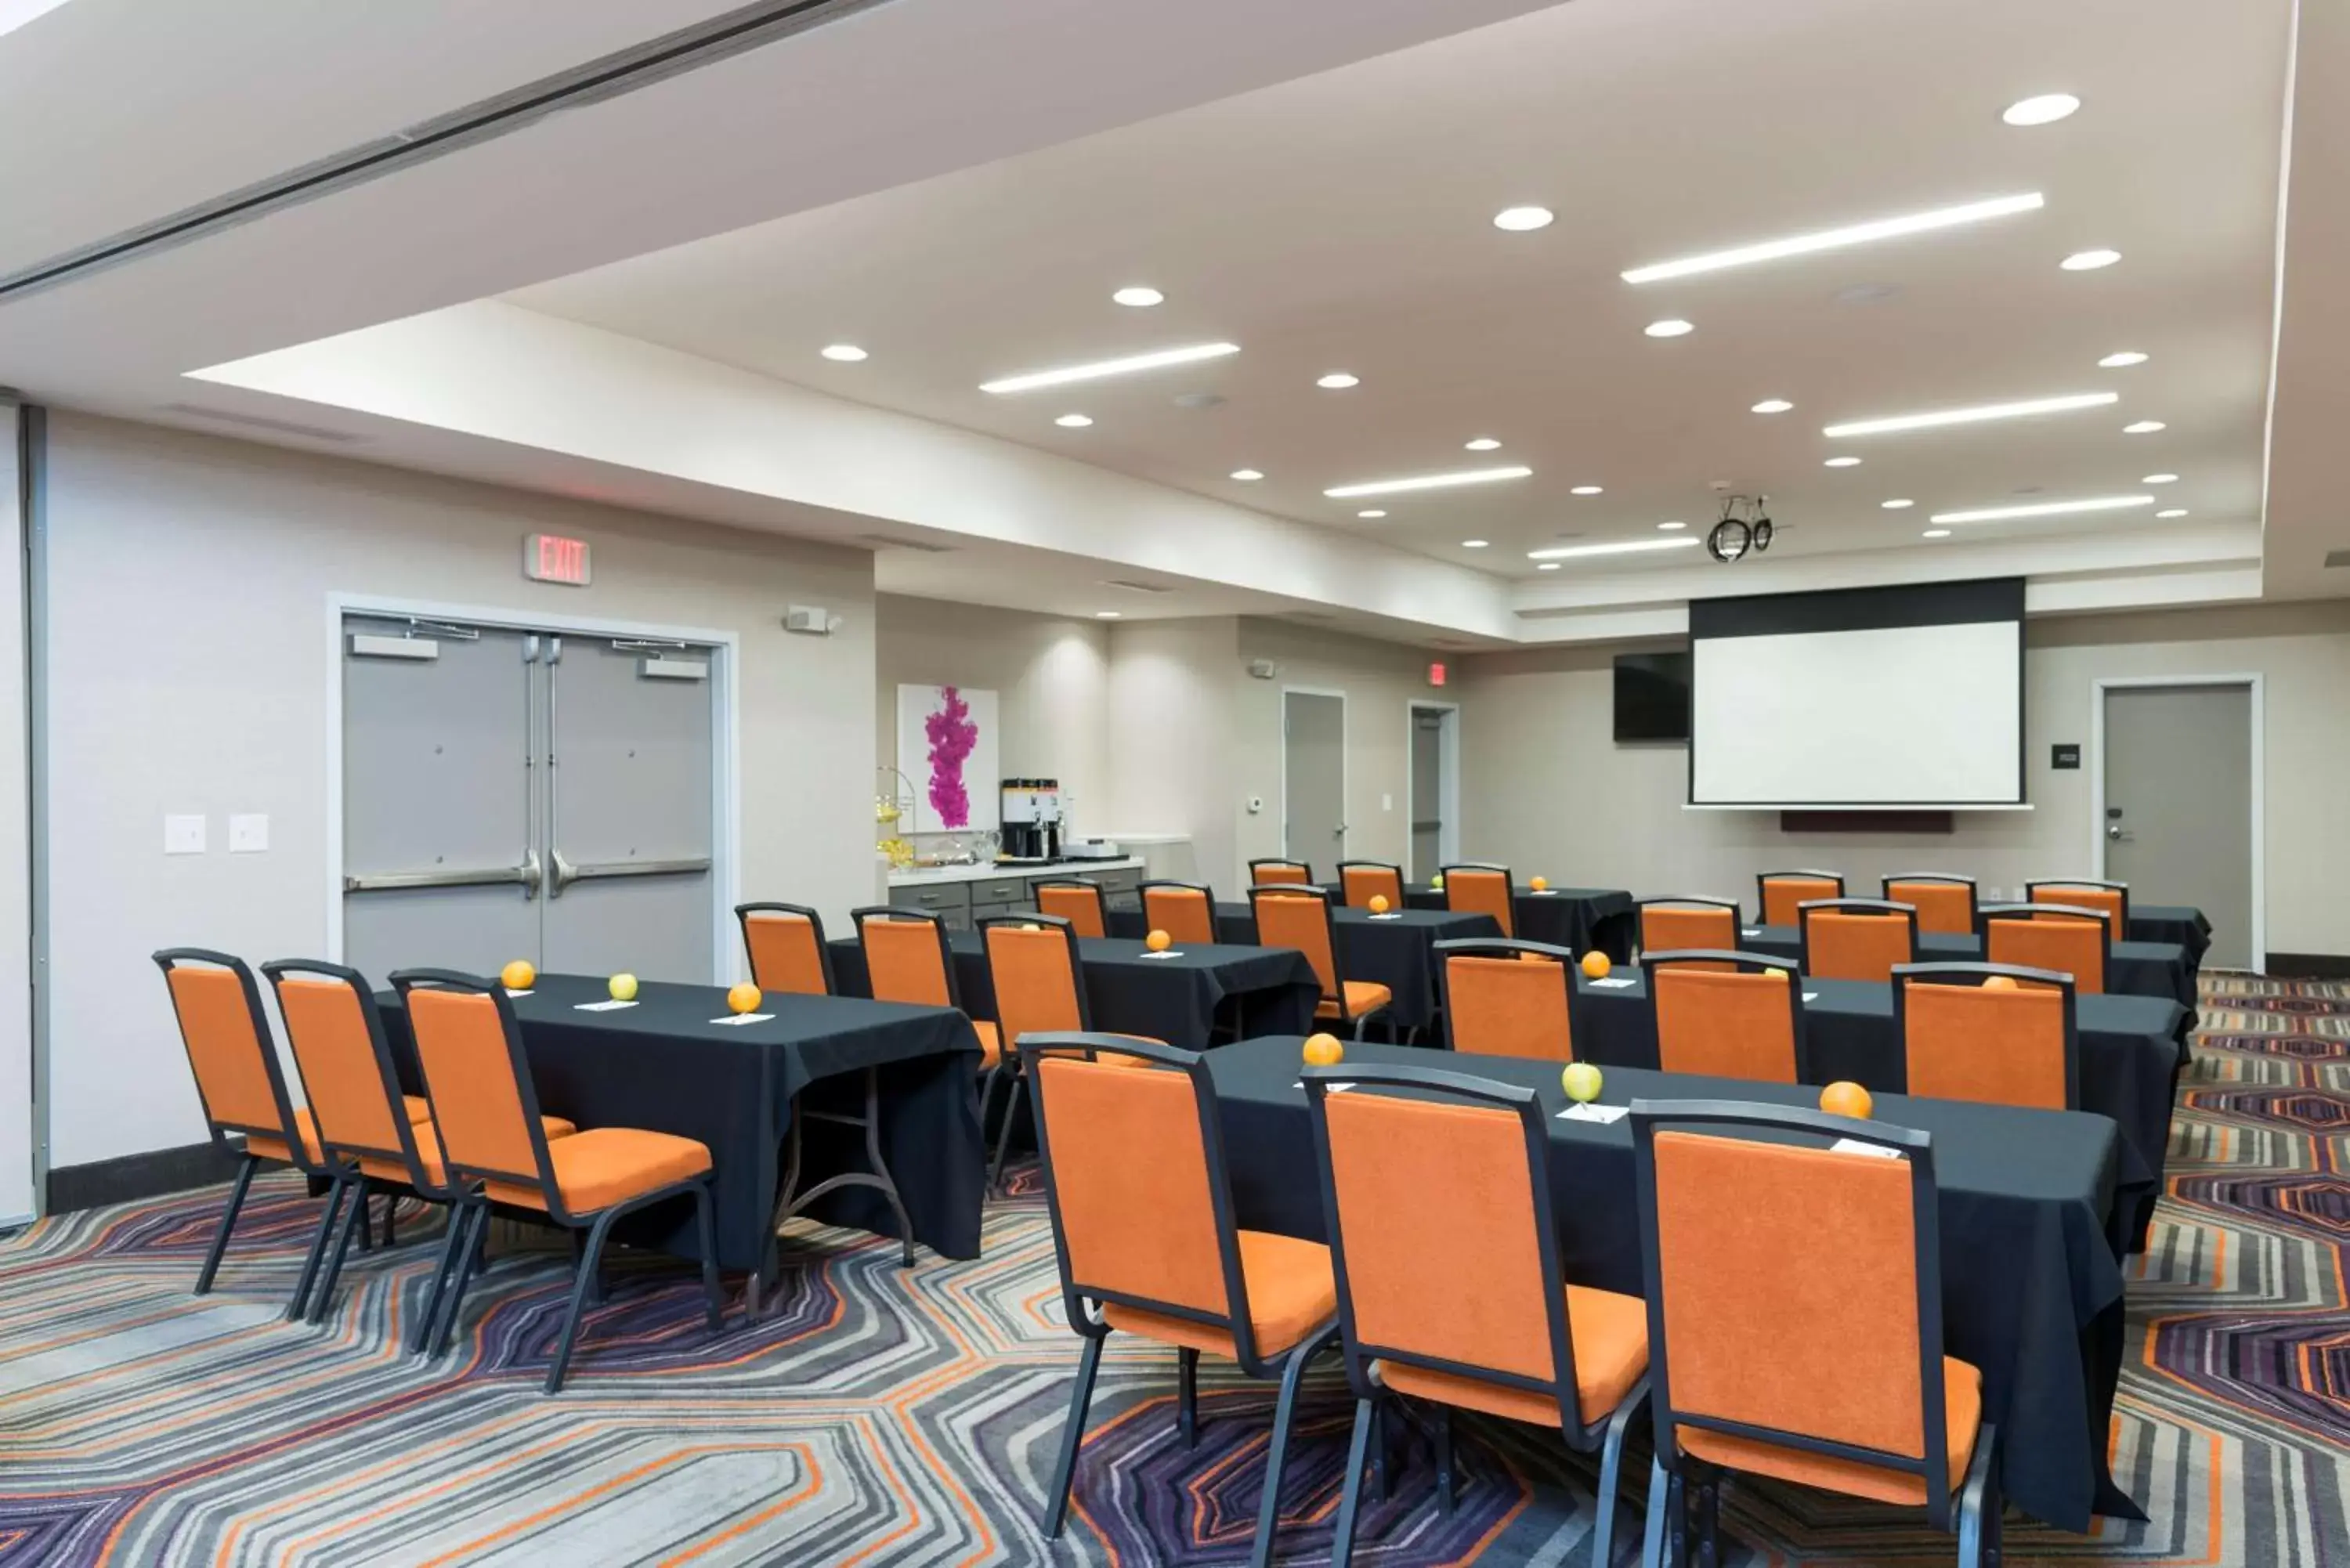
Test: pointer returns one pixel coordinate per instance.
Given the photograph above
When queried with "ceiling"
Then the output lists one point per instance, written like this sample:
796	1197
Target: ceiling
1341	222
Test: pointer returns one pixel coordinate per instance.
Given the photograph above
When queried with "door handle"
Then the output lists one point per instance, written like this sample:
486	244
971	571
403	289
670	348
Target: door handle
526	874
2119	835
1339	831
567	873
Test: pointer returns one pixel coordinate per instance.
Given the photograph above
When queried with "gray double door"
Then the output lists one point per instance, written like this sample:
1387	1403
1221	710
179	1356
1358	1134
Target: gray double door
525	794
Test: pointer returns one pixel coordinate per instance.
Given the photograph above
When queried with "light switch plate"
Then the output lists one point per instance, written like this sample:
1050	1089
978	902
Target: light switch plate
248	833
183	835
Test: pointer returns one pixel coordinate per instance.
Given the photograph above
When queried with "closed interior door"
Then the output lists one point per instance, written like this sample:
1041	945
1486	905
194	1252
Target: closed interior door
1314	776
1427	791
2179	805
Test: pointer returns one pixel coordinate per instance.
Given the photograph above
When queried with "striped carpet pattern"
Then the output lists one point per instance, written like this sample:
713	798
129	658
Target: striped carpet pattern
890	1416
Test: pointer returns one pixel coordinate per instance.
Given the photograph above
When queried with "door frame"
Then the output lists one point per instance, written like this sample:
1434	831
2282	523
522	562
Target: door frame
725	803
1448	779
2250	680
1345	780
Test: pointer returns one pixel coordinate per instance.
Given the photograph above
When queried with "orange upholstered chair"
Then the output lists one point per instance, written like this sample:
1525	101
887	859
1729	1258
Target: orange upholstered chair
1301	918
1794	1303
1779	892
494	1143
1040	989
1483	890
371	1134
1184	910
2070	938
2011	1045
1144	1235
1943	903
1452	1290
908	958
2113	898
1670	923
1360	881
1856	939
1270	870
1727	1015
226	1036
1078	901
1508	999
785	946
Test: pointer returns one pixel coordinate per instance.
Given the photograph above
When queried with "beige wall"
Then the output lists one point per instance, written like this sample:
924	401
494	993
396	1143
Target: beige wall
1171	722
1546	787
189	667
1051	676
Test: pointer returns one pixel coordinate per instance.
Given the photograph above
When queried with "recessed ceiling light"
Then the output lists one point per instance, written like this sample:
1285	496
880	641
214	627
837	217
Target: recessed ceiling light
1426	482
2159	479
1618	547
1548	567
1842	462
1585	490
1073	421
2144	427
2024	408
1772	406
1338	381
845	353
1521	220
1474	543
2089	261
1899	503
1140	297
1673	328
1673	527
1159	359
2121	361
1247	475
2172	512
2046	109
1836	239
2044	509
1370	511
1107	615
1483	443
1937	532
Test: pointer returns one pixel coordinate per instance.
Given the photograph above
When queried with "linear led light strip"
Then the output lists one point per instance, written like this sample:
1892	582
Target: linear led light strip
1189	354
2024	408
2044	509
1426	481
1837	239
1621	547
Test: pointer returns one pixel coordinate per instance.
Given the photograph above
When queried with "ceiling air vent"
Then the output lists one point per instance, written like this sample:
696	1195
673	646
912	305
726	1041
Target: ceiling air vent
260	423
1134	588
2338	557
888	542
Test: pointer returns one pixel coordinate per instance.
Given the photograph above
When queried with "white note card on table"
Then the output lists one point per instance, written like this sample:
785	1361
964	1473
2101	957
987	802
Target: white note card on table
1854	1145
599	1006
1613	983
1811	996
737	1019
1595	1112
1752	931
1162	955
1332	1089
511	992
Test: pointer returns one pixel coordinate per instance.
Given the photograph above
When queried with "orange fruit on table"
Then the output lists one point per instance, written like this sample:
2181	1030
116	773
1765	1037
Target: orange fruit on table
1324	1051
744	998
1539	884
1379	903
519	975
1158	941
1845	1098
2000	982
1596	965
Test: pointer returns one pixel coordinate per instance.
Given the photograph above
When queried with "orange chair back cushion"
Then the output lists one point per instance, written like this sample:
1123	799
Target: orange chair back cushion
903	962
1283	871
1303	923
1665	927
1782	894
2072	946
1940	906
1130	1173
1363	883
2108	899
1481	893
1183	913
783	954
476	1103
1081	907
1504	1007
1436	1217
1726	1026
223	1049
329	1035
1840	946
2001	1047
1035	989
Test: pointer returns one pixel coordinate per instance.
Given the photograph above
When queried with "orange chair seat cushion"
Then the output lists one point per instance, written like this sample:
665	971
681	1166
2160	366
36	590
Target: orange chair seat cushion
604	1166
1362	996
1291	1294
1962	1409
413	1106
1611	1351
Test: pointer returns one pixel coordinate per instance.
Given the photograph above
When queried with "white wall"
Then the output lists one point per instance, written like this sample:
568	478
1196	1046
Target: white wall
1172	726
188	669
15	906
1546	787
1051	676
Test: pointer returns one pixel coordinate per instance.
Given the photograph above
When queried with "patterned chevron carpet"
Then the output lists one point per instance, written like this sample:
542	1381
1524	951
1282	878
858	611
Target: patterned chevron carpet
889	1417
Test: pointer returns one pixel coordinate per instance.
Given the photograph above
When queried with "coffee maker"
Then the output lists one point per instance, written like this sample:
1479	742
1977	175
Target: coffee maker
1032	820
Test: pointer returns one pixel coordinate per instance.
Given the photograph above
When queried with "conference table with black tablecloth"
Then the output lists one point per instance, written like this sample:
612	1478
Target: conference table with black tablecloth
669	1064
1174	996
2128	1055
2031	1282
1579	918
2180	923
2132	968
1396	950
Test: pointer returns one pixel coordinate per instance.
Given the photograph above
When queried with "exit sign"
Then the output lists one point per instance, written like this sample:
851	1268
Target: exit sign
552	558
1436	674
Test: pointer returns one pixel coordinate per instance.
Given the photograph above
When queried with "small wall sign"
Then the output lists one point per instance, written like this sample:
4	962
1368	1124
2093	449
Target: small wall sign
552	558
2067	756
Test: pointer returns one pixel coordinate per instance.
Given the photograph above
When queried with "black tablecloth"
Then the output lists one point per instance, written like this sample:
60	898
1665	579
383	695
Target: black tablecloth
664	1066
2132	968
2032	1287
1395	949
2180	923
2128	1053
1576	918
1129	992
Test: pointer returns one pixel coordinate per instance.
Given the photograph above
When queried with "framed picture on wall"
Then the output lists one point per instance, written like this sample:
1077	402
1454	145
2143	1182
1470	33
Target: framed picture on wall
946	745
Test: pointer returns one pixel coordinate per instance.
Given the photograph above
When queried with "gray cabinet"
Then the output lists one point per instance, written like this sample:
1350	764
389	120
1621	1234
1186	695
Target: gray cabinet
963	904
